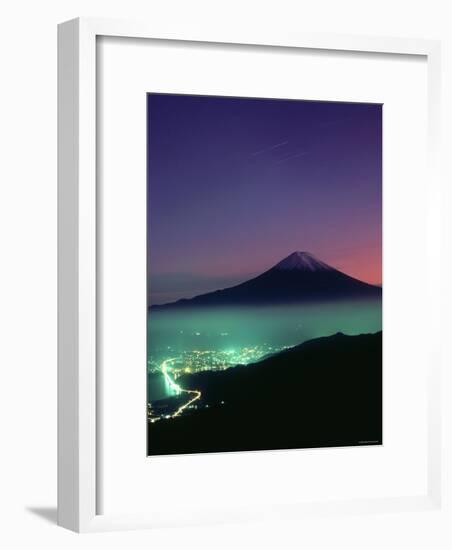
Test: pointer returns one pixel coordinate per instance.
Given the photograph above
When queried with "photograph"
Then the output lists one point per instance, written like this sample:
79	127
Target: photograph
264	274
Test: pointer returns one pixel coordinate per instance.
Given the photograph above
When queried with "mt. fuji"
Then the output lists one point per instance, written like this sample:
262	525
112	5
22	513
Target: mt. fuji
300	277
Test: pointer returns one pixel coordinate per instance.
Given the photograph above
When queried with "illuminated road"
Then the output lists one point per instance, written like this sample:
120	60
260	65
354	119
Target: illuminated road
172	384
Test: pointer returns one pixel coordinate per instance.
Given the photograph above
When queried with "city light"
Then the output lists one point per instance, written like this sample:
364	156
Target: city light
195	394
199	361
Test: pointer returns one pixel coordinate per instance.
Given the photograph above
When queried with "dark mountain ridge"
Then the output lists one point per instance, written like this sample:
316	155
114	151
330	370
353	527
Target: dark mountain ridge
325	392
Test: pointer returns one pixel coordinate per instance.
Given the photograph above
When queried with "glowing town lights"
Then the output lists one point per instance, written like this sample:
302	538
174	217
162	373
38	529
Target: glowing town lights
212	360
197	394
199	361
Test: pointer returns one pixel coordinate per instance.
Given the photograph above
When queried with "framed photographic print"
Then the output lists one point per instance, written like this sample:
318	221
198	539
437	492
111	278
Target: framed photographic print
248	257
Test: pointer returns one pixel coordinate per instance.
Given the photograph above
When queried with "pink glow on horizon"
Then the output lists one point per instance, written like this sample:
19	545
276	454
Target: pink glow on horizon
365	266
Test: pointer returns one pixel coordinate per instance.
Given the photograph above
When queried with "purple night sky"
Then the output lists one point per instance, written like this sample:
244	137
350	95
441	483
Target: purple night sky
237	184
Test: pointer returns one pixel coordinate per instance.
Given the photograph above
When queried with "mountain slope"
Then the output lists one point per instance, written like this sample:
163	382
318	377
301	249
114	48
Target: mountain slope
300	277
324	392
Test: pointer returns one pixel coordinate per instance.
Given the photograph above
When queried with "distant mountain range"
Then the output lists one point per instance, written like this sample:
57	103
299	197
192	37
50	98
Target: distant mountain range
300	277
324	392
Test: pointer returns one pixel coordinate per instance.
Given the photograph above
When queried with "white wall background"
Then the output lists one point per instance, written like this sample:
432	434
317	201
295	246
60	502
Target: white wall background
28	265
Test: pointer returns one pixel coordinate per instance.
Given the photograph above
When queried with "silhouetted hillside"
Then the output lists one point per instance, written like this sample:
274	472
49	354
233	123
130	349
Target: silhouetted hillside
324	392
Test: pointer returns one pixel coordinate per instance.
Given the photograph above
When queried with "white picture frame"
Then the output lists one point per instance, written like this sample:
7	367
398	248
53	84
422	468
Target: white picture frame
78	409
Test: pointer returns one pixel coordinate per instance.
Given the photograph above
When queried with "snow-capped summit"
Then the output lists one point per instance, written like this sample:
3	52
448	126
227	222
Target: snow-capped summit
302	261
